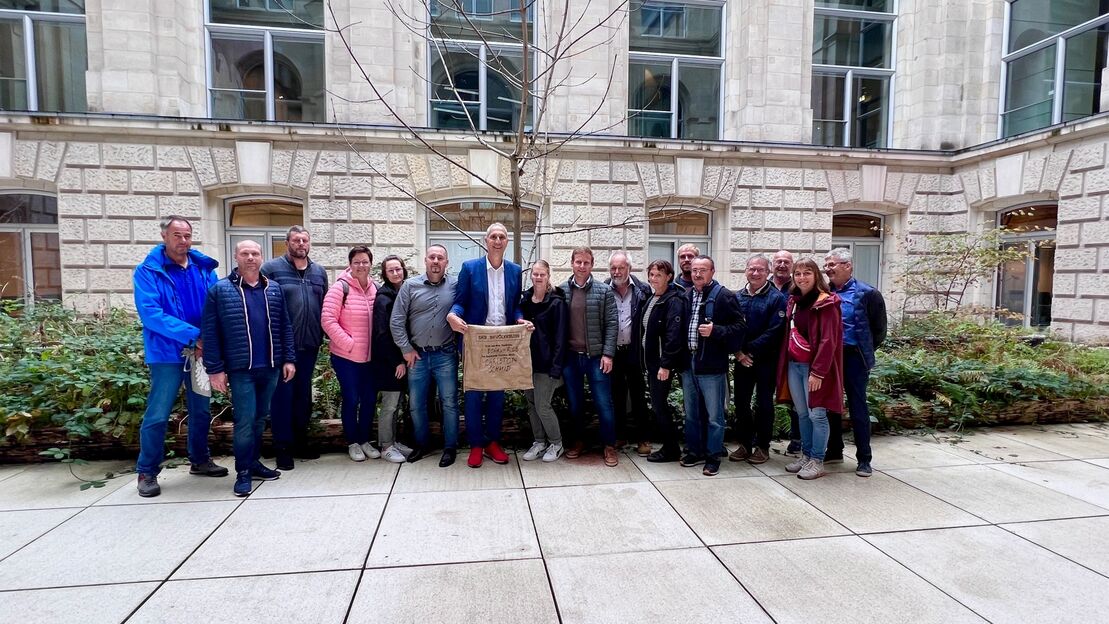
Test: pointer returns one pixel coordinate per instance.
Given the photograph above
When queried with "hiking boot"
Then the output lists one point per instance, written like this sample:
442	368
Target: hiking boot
575	450
148	486
494	452
535	452
259	472
794	448
739	454
644	449
369	451
757	456
554	451
691	459
796	465
242	483
356	453
864	470
208	469
812	470
611	458
712	468
394	455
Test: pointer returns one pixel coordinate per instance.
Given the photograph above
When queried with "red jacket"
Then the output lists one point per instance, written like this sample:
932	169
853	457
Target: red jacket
825	332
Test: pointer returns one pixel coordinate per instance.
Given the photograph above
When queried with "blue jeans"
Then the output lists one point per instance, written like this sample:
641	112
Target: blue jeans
704	430
578	368
165	381
251	392
484	414
292	404
356	383
813	422
442	367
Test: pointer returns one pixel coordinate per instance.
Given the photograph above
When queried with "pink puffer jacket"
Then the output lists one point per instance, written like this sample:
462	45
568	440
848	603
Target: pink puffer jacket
349	326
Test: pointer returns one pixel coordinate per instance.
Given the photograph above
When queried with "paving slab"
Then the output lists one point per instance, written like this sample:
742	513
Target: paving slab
461	593
49	486
311	598
98	604
615	517
877	503
331	475
673	471
1000	576
1074	478
1082	540
178	486
912	451
688	585
114	545
589	469
984	447
994	495
731	511
289	535
426	476
11	470
1104	463
454	527
1071	443
776	467
19	528
845	580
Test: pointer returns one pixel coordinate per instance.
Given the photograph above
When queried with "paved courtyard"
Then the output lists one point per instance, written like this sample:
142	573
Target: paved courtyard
1009	525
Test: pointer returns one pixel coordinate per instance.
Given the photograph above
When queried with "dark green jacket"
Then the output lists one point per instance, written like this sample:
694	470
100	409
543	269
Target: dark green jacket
601	319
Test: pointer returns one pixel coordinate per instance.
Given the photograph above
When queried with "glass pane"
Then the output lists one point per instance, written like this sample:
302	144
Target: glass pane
238	105
298	77
866	260
881	6
46	262
278	246
649	88
679	222
477	216
646	124
488	20
1030	219
1035	20
1010	294
857	43
662	251
238	77
455	76
856	226
698	102
503	76
266	213
1042	277
460	250
12	284
61	58
1082	79
674	28
283	13
51	6
870	112
13	66
1029	92
827	104
32	209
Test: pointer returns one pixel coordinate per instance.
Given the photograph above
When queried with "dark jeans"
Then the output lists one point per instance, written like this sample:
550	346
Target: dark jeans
666	431
165	383
484	414
440	367
627	378
855	378
251	392
755	428
356	382
292	405
577	369
705	399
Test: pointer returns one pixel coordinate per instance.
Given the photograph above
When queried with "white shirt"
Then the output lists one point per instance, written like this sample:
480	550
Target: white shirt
624	312
495	289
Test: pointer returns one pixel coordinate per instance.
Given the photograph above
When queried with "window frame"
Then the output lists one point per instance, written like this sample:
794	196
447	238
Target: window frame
853	242
703	242
1030	240
28	19
851	72
267	232
25	230
1059	78
440	237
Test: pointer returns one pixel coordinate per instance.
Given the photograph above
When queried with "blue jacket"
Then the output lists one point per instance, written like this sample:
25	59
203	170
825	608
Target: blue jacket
869	310
765	314
227	339
471	294
164	333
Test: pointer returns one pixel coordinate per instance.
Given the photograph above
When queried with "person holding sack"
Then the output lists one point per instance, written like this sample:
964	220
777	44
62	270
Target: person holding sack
810	365
544	305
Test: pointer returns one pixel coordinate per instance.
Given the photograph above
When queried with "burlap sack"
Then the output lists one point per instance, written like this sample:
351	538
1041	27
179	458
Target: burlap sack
496	358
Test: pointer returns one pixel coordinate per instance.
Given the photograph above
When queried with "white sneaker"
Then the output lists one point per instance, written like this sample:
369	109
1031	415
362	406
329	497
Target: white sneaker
535	452
370	451
356	453
394	454
812	470
554	451
403	448
796	465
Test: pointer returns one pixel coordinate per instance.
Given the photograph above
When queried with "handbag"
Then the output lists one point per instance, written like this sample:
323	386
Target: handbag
799	348
198	375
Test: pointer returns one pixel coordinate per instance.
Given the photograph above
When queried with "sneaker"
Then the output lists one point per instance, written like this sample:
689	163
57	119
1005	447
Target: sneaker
689	460
285	462
644	449
536	451
833	458
394	455
812	470
446	459
574	451
259	472
554	451
611	458
757	456
494	452
794	448
242	483
356	453
664	455
864	470
739	454
208	469
148	486
712	467
369	450
403	448
796	465
475	457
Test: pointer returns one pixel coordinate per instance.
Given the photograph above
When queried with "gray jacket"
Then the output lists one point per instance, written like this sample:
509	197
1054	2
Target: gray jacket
601	317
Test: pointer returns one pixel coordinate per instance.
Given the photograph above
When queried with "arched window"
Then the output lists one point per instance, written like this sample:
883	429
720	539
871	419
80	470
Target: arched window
861	233
262	219
670	228
31	265
1024	286
474	217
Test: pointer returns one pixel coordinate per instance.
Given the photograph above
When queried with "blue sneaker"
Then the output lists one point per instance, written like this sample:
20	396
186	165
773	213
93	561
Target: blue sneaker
864	470
260	473
242	483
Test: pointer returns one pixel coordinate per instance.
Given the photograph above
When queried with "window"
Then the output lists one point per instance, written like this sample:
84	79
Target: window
264	220
1024	286
862	234
477	64
1049	44
31	265
675	70
473	218
670	228
852	72
43	55
266	60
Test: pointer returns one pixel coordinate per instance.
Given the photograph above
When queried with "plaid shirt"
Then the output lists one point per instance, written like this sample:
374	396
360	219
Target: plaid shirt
694	321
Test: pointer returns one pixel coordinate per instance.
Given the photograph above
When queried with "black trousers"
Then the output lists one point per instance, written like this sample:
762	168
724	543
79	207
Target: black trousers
666	431
291	407
627	379
755	428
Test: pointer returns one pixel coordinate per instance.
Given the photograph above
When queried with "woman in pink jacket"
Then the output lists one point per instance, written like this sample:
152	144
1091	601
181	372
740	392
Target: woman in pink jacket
348	320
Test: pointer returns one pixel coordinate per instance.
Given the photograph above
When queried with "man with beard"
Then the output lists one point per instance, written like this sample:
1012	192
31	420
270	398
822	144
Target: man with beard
686	254
627	369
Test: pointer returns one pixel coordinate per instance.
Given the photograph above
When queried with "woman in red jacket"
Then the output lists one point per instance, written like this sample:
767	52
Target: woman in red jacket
810	367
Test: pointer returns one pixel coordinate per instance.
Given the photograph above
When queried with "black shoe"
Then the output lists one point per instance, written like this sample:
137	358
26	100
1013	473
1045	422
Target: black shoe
285	462
259	472
208	469
711	468
689	460
416	455
664	455
833	458
306	452
447	459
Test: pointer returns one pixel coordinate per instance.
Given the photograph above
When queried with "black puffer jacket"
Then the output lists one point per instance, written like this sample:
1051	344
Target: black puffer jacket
664	334
386	354
548	341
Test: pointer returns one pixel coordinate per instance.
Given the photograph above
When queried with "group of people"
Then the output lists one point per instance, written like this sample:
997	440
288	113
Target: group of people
797	332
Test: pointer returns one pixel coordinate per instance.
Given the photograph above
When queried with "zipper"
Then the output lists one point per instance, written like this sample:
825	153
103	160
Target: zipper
246	317
269	320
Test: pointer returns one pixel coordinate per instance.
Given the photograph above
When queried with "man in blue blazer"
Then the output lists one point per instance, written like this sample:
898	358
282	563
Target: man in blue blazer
487	293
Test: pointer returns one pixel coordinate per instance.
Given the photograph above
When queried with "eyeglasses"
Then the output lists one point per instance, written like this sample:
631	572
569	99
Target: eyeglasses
832	265
755	270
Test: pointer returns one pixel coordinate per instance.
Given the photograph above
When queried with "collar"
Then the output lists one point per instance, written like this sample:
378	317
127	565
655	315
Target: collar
848	285
760	291
489	266
704	291
574	282
431	283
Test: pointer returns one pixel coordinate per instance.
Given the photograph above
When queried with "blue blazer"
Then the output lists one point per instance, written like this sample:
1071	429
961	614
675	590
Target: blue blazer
471	294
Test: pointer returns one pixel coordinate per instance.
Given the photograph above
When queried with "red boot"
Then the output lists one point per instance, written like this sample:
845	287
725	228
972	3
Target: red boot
496	453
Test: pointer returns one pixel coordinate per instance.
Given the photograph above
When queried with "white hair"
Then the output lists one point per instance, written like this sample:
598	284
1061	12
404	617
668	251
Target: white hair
841	254
496	226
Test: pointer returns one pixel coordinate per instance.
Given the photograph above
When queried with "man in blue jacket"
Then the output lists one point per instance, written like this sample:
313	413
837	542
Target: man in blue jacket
487	293
248	344
170	286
